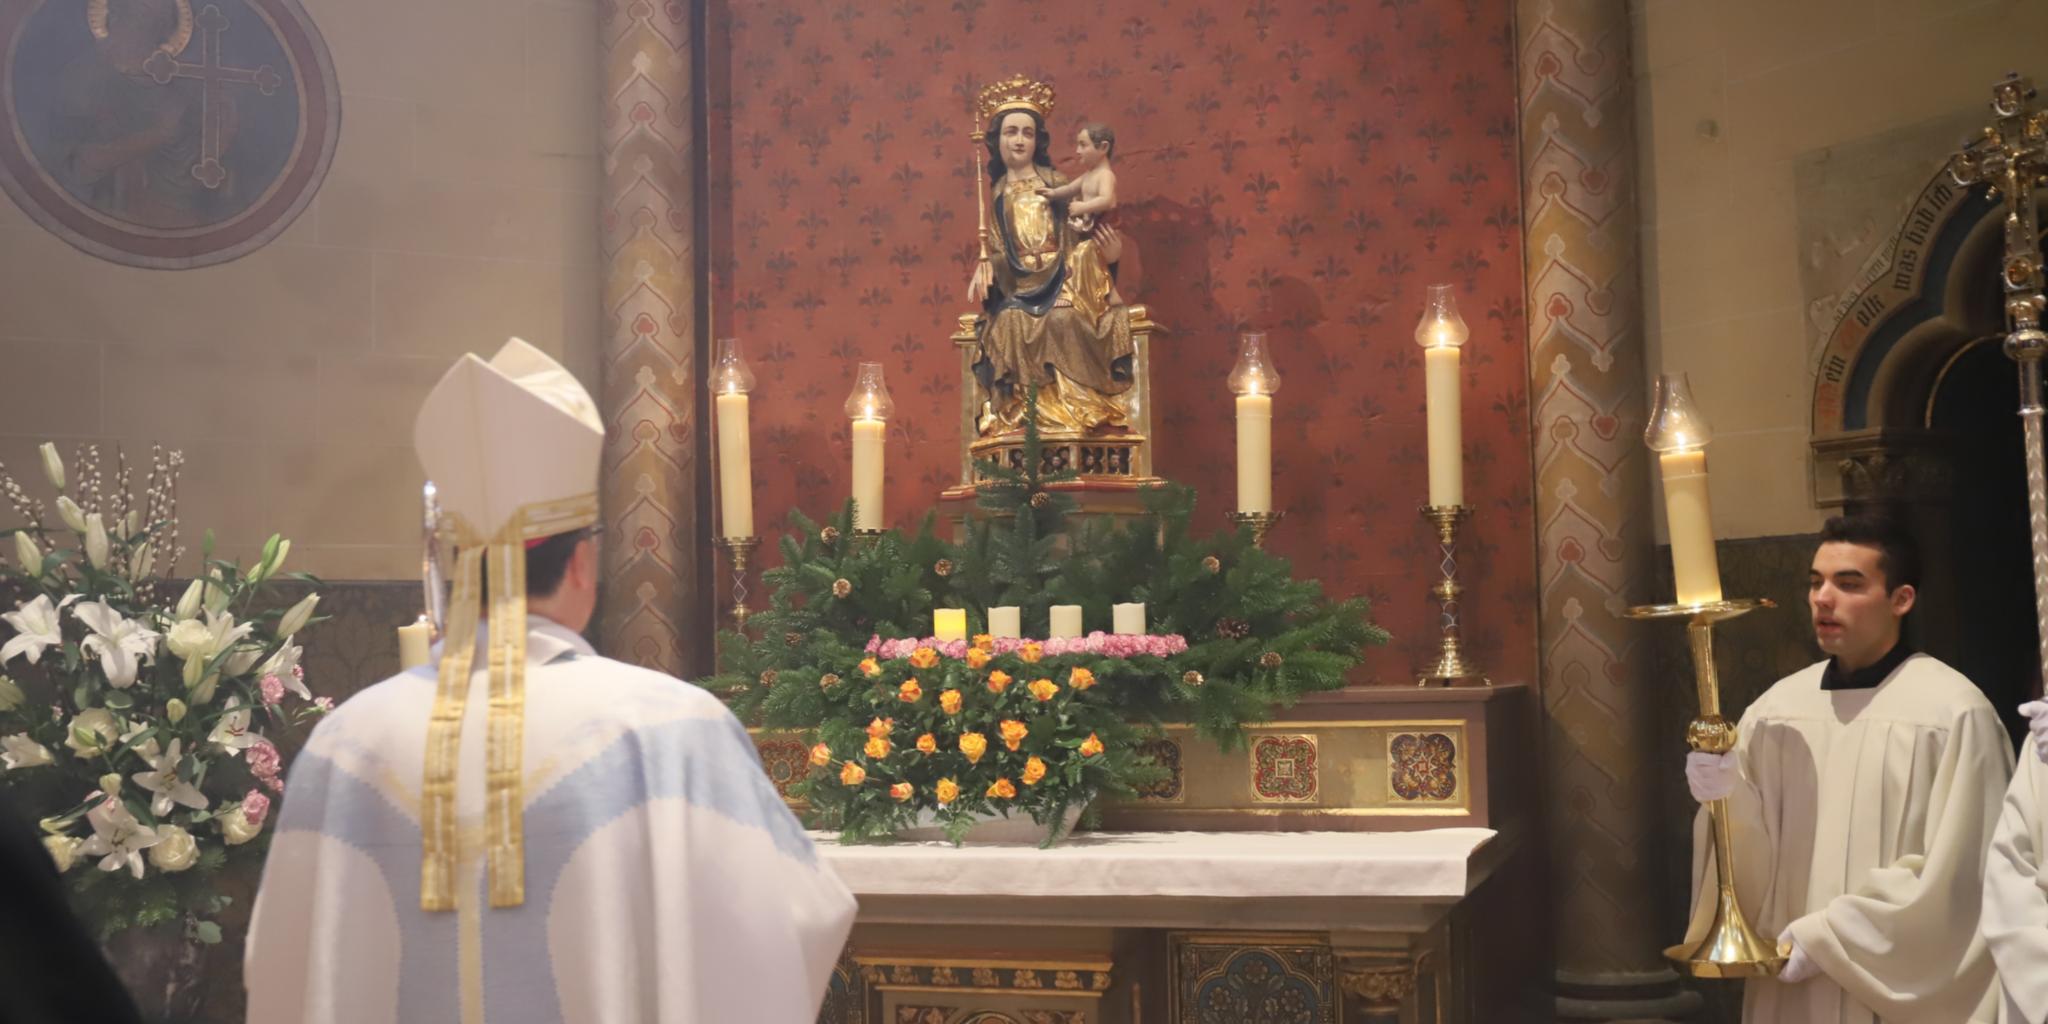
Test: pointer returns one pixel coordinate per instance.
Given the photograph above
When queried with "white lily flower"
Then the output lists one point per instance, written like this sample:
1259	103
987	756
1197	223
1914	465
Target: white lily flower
297	616
19	751
73	516
142	561
117	838
63	850
98	726
35	628
53	465
26	552
96	541
232	731
216	599
188	603
165	783
240	662
123	645
281	665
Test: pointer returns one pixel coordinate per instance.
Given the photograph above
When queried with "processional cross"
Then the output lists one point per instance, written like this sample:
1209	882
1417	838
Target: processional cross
2010	158
215	78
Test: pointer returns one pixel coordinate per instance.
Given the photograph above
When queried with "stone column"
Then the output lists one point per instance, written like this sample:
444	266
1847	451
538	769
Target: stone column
1588	402
652	604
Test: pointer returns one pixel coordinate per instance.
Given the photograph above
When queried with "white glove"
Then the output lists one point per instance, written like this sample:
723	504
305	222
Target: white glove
2036	712
1710	776
1798	966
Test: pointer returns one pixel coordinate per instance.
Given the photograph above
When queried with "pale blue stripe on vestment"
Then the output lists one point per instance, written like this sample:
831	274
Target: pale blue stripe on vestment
709	763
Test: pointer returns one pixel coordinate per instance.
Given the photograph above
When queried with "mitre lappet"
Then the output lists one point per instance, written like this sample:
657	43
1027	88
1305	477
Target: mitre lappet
512	446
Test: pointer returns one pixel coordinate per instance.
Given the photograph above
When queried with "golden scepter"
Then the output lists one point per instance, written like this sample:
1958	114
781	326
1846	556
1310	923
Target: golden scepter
980	200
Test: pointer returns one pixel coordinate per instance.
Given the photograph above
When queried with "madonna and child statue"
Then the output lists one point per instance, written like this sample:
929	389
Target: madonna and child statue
1052	324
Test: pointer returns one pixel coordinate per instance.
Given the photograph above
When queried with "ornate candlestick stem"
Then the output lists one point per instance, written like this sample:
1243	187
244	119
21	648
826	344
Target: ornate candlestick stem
1731	948
1261	523
1451	668
738	550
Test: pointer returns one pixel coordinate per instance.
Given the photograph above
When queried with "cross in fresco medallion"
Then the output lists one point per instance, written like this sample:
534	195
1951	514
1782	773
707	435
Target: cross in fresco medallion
163	67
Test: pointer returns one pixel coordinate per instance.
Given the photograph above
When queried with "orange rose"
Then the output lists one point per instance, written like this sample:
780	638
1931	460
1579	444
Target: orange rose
870	667
878	748
947	791
973	745
881	727
1013	733
984	642
998	681
1091	746
853	774
1034	770
927	744
1002	790
1031	652
949	702
976	657
1080	678
901	791
821	755
909	692
1044	689
924	657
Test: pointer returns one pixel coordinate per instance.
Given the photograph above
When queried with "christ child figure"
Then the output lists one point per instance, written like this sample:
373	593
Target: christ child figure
1093	192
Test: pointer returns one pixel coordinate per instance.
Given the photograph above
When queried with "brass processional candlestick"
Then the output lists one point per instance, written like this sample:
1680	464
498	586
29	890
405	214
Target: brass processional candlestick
2010	158
737	551
1731	948
1261	524
1451	668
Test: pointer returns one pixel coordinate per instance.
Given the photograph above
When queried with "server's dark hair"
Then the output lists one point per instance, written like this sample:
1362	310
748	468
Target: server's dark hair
1898	557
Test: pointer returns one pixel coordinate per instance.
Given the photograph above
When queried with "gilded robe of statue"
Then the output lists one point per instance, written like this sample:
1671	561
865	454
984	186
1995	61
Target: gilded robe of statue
1053	319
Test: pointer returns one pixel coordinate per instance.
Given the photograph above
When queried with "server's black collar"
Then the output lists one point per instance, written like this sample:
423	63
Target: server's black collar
1833	678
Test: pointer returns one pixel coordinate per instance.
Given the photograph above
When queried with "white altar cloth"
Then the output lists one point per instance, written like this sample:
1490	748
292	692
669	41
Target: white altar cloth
1431	866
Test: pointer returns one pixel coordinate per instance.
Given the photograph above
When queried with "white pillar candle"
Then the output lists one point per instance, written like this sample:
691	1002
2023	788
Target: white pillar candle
735	468
1446	430
949	623
1128	619
1255	453
867	473
1066	621
415	642
1694	565
1005	622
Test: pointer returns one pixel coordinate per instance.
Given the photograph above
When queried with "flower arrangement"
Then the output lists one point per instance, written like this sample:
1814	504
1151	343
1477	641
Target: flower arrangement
134	713
963	731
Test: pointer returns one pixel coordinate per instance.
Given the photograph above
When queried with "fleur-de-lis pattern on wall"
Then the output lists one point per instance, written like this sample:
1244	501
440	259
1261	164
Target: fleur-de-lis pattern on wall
1298	168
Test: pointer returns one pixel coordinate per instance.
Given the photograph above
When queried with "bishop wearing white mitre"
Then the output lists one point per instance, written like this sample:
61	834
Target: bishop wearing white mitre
533	832
1861	793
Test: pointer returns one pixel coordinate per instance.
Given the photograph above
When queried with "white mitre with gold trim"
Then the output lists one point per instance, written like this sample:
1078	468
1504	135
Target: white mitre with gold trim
513	447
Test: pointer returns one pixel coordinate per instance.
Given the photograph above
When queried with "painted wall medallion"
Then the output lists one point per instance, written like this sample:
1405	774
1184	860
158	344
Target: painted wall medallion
164	133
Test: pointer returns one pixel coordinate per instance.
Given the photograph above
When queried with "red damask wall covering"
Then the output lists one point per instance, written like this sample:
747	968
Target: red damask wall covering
1302	166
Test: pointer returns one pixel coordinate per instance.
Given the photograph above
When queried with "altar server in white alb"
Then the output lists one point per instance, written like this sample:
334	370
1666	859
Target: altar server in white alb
1862	792
2016	881
528	832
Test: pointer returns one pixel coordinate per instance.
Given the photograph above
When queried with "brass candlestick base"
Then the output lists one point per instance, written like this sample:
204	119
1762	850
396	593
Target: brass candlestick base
738	550
867	538
1451	668
1731	948
1261	523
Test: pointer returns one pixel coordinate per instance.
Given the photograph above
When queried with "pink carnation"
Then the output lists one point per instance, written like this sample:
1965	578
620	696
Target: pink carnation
255	807
272	689
264	763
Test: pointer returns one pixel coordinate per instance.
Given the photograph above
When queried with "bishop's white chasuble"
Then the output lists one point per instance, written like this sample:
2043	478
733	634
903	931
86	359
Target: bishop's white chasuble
665	880
1861	821
2016	895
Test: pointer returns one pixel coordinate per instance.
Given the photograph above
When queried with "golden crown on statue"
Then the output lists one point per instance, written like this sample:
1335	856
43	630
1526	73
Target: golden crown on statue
1015	93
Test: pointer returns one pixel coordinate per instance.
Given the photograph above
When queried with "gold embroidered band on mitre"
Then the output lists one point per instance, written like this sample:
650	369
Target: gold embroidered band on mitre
505	732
